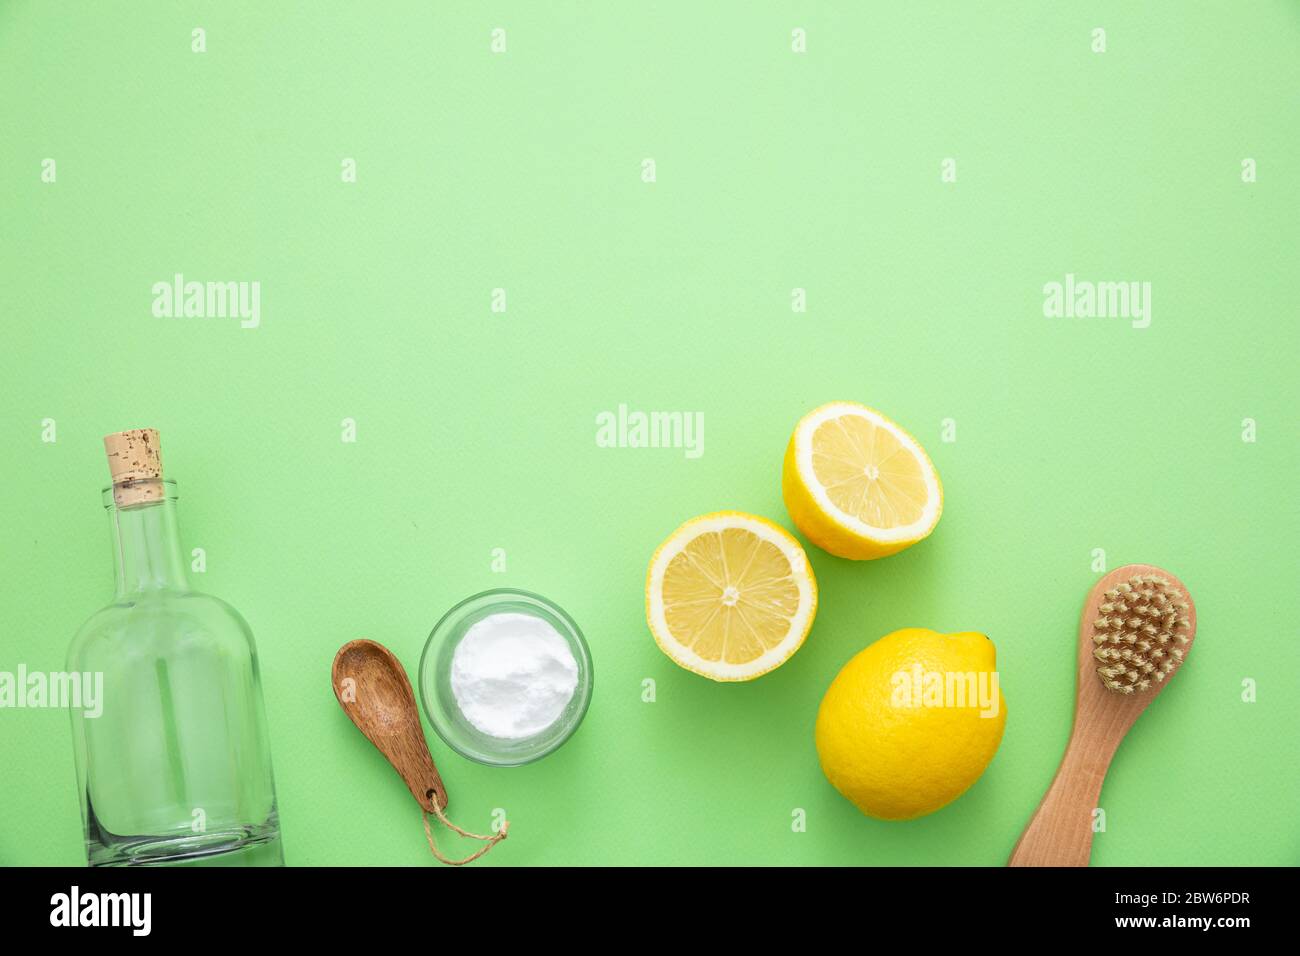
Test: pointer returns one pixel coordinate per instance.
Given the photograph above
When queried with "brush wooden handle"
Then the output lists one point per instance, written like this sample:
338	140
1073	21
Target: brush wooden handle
1060	831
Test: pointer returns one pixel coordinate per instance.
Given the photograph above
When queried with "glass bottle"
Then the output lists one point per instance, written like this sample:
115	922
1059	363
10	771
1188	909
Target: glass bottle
176	767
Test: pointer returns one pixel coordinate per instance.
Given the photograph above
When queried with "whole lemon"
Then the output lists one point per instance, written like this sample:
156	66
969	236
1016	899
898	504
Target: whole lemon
911	722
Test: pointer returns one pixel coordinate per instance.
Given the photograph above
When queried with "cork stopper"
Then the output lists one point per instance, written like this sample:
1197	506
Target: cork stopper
135	462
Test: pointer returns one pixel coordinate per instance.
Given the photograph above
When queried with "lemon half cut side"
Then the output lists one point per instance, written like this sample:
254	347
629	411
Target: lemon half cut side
730	596
857	484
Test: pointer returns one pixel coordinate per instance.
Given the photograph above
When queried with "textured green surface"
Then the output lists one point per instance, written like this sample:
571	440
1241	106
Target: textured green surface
476	430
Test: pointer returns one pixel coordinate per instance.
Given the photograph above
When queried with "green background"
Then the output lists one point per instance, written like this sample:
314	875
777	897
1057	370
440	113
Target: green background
476	430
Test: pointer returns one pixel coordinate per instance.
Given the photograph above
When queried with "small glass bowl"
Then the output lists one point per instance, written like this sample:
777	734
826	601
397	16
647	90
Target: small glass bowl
440	703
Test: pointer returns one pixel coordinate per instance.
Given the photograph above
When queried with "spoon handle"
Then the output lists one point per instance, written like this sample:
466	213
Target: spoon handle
410	757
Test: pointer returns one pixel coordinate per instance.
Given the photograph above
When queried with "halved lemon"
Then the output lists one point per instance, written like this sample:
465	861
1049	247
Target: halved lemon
730	596
858	485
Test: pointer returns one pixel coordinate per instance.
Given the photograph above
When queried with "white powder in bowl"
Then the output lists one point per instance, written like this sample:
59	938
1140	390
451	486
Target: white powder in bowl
512	675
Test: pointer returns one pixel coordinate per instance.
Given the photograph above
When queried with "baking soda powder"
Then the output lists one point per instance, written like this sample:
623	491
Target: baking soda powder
512	675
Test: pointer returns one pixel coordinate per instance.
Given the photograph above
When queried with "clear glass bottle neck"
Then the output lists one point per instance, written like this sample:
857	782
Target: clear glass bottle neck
147	548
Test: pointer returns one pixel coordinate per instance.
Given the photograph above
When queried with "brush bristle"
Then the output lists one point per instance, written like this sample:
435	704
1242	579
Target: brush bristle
1140	632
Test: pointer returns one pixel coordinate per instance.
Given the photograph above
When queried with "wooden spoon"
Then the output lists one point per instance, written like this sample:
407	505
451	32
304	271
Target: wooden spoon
374	692
1060	831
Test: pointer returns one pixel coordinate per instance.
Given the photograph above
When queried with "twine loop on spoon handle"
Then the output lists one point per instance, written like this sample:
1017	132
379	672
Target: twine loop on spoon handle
489	840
